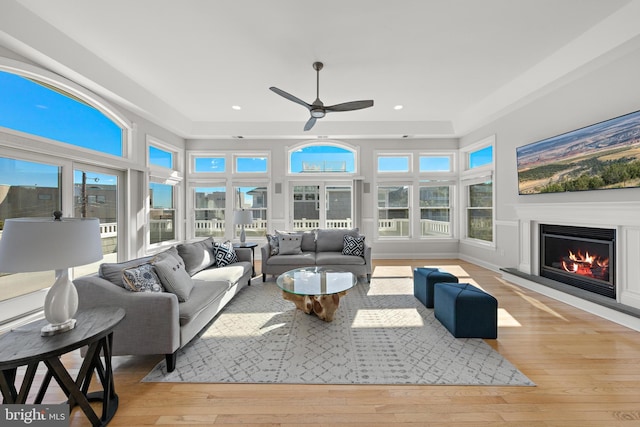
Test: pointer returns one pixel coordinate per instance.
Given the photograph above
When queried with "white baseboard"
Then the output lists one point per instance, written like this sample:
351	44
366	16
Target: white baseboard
588	306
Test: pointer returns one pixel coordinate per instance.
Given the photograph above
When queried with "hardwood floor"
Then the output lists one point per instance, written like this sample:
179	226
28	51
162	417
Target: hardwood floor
586	370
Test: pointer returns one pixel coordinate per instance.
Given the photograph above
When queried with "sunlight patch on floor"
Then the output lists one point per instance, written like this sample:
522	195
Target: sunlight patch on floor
505	319
374	319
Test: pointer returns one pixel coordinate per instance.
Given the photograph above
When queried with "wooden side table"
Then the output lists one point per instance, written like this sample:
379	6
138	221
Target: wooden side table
253	247
25	347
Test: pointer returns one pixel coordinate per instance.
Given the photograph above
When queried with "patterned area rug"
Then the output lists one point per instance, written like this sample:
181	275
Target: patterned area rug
381	334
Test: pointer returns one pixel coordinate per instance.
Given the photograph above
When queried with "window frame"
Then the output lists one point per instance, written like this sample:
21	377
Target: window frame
68	87
472	176
165	176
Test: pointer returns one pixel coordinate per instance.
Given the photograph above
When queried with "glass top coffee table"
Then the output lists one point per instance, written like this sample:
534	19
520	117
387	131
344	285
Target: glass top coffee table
316	290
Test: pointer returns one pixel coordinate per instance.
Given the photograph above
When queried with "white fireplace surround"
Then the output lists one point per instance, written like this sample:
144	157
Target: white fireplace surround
624	217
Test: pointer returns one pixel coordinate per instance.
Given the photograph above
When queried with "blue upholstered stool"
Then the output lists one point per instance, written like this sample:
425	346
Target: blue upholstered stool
423	280
466	311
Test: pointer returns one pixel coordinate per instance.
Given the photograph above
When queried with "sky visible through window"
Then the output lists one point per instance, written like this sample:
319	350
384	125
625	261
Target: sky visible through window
29	107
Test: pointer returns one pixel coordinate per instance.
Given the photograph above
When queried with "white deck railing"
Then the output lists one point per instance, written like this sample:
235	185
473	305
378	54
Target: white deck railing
388	226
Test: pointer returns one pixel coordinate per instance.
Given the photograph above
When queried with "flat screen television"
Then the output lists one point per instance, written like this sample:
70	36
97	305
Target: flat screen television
600	156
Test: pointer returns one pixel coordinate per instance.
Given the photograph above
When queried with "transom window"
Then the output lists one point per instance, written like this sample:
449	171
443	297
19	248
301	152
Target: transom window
210	164
322	158
38	108
394	163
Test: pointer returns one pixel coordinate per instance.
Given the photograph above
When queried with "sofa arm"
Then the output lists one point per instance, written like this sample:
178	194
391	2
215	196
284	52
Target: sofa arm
367	258
265	252
151	324
243	254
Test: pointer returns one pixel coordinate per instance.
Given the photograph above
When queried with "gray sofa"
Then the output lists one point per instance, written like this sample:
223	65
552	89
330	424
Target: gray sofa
163	322
321	247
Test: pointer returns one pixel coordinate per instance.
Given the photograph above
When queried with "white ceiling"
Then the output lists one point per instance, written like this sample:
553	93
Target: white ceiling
453	64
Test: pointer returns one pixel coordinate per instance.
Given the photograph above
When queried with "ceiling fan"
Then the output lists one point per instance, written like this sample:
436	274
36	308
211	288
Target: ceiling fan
317	108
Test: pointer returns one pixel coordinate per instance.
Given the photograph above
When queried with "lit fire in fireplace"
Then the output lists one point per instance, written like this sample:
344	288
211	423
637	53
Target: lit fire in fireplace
587	265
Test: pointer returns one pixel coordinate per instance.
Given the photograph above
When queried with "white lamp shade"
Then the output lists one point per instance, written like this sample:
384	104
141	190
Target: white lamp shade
42	244
242	217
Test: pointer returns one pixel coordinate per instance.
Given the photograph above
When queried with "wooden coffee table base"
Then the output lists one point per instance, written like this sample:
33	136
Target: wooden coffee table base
323	306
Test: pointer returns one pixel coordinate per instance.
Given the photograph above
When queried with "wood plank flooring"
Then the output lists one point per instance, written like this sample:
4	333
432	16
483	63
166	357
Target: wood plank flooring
587	371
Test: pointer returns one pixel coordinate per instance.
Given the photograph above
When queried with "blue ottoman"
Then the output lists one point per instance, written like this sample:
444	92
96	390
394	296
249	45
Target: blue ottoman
466	311
423	280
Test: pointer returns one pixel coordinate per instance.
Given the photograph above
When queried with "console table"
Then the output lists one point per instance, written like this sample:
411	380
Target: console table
24	346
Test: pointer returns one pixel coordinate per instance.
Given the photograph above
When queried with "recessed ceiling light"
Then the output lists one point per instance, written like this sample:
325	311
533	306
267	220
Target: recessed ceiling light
236	107
398	107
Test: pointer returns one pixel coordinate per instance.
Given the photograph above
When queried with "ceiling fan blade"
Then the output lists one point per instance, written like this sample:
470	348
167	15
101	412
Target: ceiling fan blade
310	123
350	106
290	97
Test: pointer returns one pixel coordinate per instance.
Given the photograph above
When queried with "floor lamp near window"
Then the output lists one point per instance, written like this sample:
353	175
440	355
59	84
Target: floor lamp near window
43	244
243	217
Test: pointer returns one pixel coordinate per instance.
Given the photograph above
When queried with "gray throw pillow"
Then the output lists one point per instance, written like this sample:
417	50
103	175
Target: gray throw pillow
290	244
173	275
197	255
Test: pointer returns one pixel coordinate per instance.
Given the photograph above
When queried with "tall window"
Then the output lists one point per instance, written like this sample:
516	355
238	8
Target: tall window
254	199
27	189
162	213
478	192
164	184
435	211
393	211
210	204
38	108
480	211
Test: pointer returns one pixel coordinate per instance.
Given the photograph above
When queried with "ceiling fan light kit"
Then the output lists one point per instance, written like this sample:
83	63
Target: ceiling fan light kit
317	108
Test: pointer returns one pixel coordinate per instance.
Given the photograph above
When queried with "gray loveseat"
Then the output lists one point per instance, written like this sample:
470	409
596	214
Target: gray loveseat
321	247
160	321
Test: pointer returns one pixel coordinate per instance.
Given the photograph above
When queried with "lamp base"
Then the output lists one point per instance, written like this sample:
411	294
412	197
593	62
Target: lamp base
51	329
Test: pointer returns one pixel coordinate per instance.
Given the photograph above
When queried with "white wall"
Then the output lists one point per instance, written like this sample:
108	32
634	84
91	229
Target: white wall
605	92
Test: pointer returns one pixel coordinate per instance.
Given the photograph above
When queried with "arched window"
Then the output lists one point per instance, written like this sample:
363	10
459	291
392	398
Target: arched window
36	107
322	158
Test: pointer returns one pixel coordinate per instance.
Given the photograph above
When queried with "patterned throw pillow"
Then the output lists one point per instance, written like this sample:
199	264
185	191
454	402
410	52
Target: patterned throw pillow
224	253
353	245
142	278
274	244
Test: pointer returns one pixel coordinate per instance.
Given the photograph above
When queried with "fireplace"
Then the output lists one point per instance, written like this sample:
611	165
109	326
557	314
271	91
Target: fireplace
583	257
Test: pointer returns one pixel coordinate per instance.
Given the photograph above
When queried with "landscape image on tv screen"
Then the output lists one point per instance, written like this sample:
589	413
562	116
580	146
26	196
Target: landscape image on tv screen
600	156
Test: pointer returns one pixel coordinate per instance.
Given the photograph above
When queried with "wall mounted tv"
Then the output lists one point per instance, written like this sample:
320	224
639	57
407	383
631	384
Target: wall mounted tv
600	156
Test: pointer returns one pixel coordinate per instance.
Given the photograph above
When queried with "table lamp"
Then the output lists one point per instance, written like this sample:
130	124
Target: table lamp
43	244
243	218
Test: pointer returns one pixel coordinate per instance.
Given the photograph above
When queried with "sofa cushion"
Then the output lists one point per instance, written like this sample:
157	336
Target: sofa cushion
336	258
113	272
142	278
203	295
332	239
290	244
231	273
353	246
306	258
224	253
197	255
173	274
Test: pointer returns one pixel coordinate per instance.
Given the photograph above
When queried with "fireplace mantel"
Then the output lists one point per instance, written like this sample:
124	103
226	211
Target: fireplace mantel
610	214
624	217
